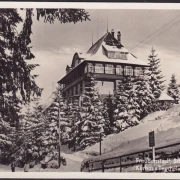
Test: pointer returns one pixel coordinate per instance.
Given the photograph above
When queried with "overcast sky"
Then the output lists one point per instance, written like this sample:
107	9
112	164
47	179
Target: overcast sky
55	44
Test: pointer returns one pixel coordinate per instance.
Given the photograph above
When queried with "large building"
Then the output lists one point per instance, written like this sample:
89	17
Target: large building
108	60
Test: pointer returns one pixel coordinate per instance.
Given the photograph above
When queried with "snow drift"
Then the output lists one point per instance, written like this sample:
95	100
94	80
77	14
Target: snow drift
166	125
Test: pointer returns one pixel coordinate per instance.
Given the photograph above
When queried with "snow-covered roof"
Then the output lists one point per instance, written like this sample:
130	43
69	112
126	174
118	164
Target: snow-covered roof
100	57
95	47
97	52
165	97
114	48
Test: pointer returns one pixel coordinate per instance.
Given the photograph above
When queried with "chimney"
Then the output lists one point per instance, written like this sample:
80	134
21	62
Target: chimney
112	32
119	37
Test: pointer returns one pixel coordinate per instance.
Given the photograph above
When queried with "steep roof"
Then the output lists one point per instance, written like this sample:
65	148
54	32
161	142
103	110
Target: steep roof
165	97
109	43
108	40
94	48
101	57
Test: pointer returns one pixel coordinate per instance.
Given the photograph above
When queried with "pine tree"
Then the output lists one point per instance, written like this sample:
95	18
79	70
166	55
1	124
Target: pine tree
92	122
16	76
17	83
144	98
155	77
55	118
73	114
126	105
29	142
108	113
6	141
62	15
172	89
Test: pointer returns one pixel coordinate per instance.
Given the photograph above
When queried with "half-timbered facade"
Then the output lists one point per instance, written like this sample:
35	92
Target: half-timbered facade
107	59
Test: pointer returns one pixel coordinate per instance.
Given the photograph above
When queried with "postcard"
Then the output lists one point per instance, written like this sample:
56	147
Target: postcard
88	89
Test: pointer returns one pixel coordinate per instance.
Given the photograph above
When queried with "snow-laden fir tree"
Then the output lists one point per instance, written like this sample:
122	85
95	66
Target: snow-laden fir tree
73	114
6	140
29	144
9	122
173	89
126	105
55	118
154	73
108	113
39	133
92	121
144	98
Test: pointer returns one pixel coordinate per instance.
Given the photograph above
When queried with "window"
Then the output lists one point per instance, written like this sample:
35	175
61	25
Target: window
138	71
128	71
90	67
123	55
109	69
117	55
99	68
119	70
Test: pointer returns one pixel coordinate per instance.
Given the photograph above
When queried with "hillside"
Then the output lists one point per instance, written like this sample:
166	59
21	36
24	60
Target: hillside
166	125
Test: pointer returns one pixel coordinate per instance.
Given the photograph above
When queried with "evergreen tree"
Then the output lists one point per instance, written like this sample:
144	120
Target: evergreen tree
172	89
17	83
63	15
144	98
15	74
126	105
92	122
39	134
73	114
108	113
55	118
6	141
155	77
29	143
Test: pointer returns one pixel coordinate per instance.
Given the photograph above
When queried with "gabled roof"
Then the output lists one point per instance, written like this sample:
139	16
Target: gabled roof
165	97
108	40
94	48
101	57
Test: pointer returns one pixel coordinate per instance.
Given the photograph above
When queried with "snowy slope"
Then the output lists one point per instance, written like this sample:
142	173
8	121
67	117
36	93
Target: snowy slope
165	123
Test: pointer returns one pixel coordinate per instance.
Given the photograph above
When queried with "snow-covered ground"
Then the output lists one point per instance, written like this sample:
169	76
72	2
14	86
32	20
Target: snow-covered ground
73	165
166	125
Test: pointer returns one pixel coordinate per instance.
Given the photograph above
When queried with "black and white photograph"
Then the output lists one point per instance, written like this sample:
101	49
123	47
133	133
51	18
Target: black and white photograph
89	89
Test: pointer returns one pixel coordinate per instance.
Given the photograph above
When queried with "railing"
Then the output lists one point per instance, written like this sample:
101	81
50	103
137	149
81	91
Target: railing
130	160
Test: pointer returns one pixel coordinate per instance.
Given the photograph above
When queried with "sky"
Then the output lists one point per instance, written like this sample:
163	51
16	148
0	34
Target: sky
55	44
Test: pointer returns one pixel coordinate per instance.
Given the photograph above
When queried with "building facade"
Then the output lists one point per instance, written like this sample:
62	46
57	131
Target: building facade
107	59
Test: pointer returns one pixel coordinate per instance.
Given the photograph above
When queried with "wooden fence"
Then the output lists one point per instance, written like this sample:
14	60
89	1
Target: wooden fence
126	160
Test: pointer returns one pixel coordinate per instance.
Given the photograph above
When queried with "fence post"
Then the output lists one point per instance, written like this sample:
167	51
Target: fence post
143	164
102	165
89	167
153	154
120	164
